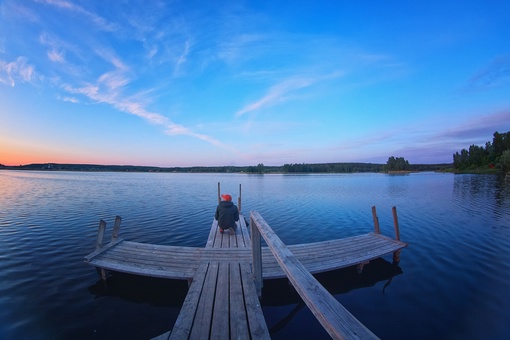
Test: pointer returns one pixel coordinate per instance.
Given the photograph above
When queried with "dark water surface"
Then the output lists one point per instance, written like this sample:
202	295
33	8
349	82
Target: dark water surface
452	283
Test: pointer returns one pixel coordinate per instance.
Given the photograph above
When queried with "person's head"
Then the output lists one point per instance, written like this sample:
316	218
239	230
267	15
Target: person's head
226	197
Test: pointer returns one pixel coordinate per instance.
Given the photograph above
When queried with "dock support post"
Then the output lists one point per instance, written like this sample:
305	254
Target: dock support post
256	251
396	255
239	199
116	227
100	234
377	229
219	194
99	244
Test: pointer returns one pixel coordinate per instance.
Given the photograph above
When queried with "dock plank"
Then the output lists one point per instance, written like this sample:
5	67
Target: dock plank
180	262
238	320
221	312
184	322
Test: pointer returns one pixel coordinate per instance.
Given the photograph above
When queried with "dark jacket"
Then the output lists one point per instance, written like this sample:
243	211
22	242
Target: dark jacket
226	215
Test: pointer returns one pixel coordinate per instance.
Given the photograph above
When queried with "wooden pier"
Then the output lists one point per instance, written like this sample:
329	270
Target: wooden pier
226	276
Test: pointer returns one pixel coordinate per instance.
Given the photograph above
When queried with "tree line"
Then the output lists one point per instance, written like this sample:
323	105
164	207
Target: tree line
397	164
393	164
495	155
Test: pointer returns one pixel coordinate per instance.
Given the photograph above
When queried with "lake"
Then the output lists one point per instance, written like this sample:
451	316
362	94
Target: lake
452	282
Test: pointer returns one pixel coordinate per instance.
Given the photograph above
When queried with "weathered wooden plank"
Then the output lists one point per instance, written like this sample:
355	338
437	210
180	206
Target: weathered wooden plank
335	319
203	318
256	321
238	320
221	311
170	273
212	235
104	249
184	322
243	235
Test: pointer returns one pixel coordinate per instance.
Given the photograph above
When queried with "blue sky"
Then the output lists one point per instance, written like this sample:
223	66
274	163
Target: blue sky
182	83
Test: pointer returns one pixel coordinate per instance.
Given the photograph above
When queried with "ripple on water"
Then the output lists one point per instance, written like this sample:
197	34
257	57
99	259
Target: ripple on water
455	270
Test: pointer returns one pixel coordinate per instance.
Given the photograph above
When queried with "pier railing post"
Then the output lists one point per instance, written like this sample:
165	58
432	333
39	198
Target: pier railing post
396	255
239	199
256	251
116	227
100	234
99	245
395	223
377	229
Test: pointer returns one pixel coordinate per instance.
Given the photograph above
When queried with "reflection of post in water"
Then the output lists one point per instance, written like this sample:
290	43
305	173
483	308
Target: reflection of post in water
286	320
377	230
396	255
341	281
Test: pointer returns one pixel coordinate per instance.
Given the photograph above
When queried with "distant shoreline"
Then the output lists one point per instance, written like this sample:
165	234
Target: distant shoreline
285	169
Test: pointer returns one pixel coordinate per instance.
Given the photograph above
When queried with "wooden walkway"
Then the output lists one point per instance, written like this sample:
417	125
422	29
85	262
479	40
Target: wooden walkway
181	263
222	301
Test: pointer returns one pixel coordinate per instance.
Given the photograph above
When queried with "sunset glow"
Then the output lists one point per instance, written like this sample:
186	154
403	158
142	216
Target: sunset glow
203	83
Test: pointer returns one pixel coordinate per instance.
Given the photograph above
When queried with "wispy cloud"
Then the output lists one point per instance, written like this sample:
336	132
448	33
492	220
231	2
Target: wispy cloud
182	58
237	47
19	11
108	89
478	128
496	73
16	71
56	56
281	92
99	21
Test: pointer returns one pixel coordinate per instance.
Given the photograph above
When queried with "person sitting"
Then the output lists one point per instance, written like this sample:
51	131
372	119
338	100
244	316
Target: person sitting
227	214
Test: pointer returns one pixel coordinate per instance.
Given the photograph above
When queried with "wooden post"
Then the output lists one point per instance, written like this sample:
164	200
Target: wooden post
100	234
99	244
396	255
377	230
256	252
116	227
239	199
395	223
219	195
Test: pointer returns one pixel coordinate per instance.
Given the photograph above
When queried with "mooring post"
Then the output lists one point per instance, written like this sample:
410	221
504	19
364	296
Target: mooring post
239	199
116	227
100	234
99	245
395	223
219	194
377	230
396	255
256	252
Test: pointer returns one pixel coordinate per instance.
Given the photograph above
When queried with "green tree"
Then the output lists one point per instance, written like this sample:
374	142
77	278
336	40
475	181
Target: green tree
260	168
504	161
397	164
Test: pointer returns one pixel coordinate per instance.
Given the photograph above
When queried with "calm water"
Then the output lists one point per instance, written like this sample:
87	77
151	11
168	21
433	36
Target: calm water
452	283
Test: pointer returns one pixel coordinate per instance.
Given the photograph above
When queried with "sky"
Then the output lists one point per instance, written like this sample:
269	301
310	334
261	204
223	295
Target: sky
216	83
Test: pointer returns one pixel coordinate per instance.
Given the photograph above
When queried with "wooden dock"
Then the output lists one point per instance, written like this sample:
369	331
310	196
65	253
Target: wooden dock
227	276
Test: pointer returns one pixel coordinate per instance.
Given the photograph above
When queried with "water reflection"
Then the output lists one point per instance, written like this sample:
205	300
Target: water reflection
456	265
139	289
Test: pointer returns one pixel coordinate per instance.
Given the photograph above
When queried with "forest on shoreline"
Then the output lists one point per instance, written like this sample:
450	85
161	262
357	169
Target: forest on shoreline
492	157
258	169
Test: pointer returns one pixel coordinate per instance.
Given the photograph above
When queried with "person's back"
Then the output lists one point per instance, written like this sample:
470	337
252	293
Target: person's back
227	214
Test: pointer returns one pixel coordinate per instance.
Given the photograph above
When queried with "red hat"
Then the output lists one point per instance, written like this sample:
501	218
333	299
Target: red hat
226	197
